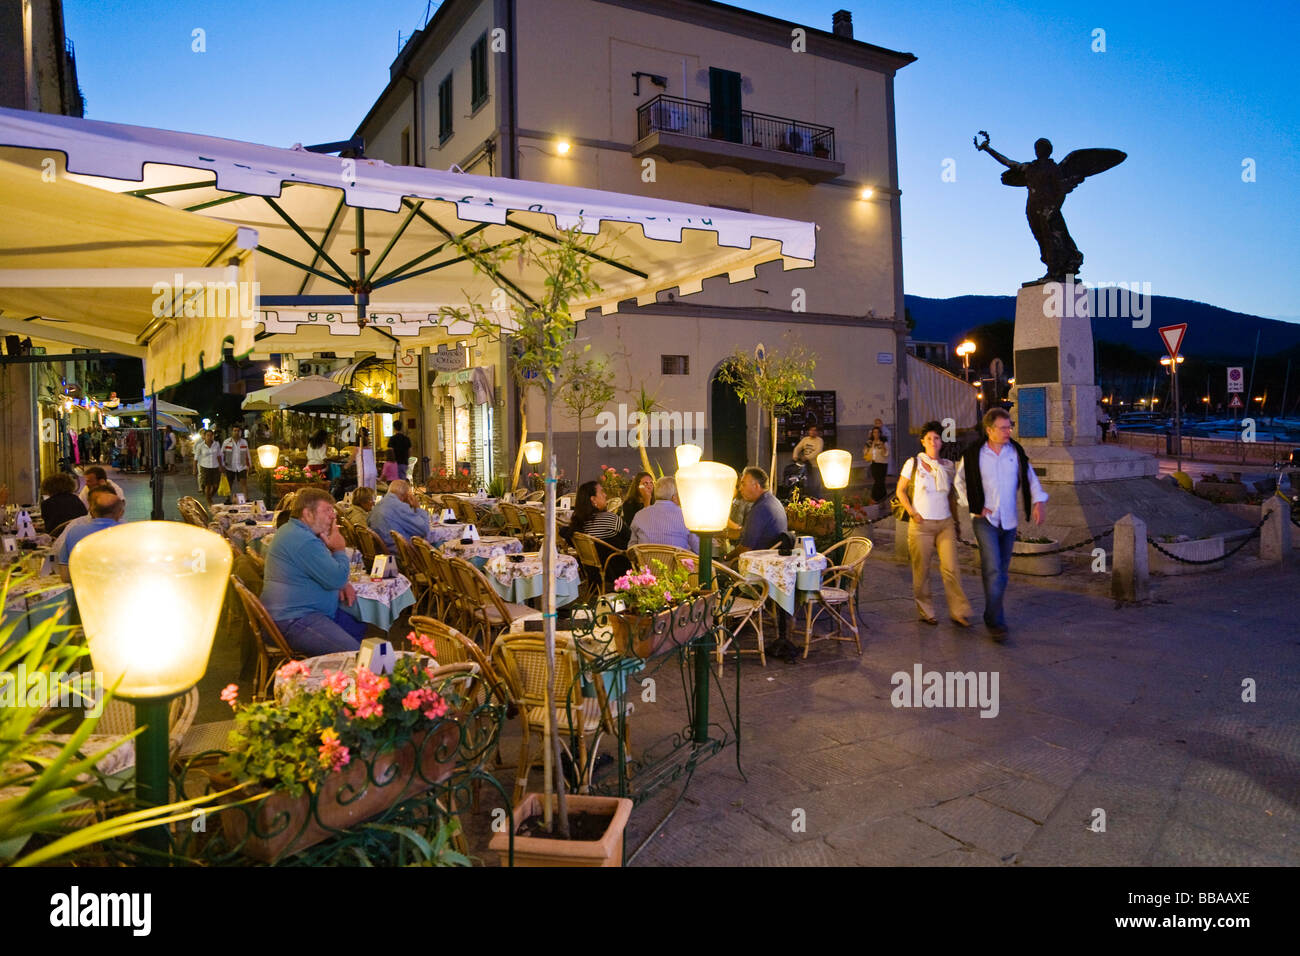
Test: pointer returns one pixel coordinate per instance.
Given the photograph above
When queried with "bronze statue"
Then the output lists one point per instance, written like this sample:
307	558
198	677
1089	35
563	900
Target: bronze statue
1048	183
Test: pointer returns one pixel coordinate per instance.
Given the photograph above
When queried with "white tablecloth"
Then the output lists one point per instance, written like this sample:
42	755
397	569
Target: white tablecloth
479	552
787	575
380	602
519	581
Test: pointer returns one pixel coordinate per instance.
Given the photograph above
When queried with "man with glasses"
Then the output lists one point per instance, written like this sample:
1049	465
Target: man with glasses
993	473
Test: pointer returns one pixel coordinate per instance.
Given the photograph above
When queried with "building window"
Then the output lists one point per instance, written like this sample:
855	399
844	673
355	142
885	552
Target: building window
478	72
675	364
444	110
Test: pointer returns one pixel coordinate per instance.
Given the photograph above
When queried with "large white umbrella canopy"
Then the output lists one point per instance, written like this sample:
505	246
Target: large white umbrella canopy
314	212
290	393
167	408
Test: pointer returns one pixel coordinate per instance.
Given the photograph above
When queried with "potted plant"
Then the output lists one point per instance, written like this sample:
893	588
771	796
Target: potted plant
815	516
663	610
1028	556
331	756
1183	546
615	482
291	478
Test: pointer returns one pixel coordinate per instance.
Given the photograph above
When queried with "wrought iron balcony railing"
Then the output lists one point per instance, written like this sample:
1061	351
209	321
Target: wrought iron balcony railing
672	114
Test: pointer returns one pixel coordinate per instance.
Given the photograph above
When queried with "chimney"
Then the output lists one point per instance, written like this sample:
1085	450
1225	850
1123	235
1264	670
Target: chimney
842	23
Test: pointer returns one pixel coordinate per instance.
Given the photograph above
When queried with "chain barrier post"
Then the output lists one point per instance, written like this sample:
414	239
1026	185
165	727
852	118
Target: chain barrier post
1275	536
1130	578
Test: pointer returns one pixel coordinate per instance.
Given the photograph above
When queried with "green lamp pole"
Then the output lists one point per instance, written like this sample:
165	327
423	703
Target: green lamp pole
834	466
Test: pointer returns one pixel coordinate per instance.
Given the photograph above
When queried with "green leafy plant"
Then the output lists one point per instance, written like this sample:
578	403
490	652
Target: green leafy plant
615	482
804	508
772	380
586	386
657	588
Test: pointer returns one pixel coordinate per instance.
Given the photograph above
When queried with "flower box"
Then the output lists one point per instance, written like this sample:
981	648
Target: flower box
1200	549
553	851
284	824
283	488
647	635
1027	557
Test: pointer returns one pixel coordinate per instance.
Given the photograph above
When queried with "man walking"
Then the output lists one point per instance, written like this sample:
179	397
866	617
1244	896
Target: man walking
994	474
207	465
401	446
235	459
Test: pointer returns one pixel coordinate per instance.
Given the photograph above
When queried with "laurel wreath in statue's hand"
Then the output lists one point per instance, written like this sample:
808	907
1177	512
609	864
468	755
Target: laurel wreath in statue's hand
983	145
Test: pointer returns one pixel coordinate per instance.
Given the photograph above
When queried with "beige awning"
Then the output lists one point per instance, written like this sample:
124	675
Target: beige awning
88	268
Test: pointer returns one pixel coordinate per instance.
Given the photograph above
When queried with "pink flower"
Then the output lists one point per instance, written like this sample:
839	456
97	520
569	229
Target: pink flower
424	643
230	694
336	682
295	669
688	564
668	596
333	755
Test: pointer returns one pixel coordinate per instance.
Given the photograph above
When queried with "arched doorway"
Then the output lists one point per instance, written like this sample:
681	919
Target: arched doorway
728	425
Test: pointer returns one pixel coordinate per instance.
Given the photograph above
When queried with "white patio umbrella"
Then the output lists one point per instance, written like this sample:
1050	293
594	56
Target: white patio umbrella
290	393
167	408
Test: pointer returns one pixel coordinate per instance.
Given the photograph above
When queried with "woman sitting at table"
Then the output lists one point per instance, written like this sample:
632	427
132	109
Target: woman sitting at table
590	517
317	452
62	503
307	574
639	495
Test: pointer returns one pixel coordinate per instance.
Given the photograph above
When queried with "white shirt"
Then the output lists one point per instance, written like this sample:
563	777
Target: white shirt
84	493
207	456
317	456
926	497
235	454
1000	473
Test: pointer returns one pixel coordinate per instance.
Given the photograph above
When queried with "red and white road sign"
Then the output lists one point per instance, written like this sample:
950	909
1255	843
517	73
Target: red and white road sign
1173	336
1236	378
1236	402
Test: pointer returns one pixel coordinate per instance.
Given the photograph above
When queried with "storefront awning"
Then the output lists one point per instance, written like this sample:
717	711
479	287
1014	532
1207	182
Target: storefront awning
85	268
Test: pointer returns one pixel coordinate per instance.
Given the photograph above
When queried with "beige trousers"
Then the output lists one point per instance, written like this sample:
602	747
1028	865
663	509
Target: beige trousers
923	537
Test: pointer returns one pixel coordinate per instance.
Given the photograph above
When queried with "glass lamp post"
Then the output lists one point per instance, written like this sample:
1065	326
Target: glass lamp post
706	489
150	595
533	454
268	456
834	466
688	455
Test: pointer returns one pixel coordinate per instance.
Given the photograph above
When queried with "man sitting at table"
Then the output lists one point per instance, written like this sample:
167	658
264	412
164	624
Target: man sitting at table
97	477
766	520
307	574
363	500
105	511
398	511
662	522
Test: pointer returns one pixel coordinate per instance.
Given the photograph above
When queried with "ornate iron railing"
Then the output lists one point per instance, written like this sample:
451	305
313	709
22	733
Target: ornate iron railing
672	114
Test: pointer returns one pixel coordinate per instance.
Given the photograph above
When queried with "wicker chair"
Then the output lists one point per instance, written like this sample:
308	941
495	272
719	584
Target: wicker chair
118	718
454	647
349	532
521	660
512	522
747	598
411	566
487	612
371	544
839	589
595	555
642	554
192	512
536	518
451	602
434	600
536	496
464	509
273	649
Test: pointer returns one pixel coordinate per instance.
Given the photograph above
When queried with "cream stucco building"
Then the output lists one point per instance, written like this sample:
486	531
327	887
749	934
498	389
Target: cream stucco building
685	100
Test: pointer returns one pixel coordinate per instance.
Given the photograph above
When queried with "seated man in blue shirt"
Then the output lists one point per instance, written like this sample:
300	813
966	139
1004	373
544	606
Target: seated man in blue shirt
662	522
763	527
105	512
397	511
307	574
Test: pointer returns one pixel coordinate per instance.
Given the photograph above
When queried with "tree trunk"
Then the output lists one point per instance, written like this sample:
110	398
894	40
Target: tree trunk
642	433
577	470
551	744
772	472
523	437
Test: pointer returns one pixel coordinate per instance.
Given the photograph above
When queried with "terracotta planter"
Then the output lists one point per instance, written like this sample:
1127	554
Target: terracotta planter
1027	558
283	488
646	635
346	798
545	851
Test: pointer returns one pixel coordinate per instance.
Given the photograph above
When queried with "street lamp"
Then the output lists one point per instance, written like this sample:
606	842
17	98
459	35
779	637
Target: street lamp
964	350
1172	366
150	595
688	455
533	452
834	466
706	490
268	456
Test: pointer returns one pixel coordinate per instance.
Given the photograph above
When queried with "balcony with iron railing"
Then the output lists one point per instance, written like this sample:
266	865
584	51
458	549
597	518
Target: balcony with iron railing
680	129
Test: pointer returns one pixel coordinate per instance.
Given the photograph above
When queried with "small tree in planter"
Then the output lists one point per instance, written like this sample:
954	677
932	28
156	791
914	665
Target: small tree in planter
542	330
585	386
772	380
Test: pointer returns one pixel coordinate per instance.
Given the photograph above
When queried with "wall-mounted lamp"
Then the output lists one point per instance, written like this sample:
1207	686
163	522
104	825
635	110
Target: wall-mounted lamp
655	78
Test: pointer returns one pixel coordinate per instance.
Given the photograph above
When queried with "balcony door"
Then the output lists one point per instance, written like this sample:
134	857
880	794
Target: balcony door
724	105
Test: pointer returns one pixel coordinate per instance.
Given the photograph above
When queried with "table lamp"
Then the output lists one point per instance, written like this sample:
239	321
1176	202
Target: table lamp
688	455
706	490
834	466
150	596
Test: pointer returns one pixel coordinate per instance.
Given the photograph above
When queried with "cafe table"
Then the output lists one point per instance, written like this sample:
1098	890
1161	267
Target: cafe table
520	581
479	552
789	576
33	601
380	602
440	533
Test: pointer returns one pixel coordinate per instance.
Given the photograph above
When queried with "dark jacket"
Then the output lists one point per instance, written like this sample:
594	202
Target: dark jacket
57	509
970	461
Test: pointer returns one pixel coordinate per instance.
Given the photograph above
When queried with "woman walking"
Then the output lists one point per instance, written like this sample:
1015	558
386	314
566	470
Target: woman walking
925	489
877	453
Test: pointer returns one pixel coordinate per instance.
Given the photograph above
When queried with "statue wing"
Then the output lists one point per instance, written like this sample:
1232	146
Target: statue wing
1014	176
1082	163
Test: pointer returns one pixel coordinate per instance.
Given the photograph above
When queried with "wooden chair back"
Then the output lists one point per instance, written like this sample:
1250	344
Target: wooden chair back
594	555
477	595
513	521
271	643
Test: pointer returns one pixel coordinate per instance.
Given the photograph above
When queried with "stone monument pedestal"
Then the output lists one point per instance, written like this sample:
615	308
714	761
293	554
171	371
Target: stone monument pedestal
1090	484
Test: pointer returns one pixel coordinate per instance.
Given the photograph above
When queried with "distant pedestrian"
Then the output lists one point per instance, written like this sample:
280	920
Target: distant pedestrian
400	446
876	451
994	473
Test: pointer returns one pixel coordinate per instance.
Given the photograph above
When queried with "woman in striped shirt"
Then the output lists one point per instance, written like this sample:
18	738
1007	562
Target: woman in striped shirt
590	517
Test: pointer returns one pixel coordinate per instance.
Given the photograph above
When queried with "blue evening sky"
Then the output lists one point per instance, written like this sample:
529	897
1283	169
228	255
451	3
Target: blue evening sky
1190	90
